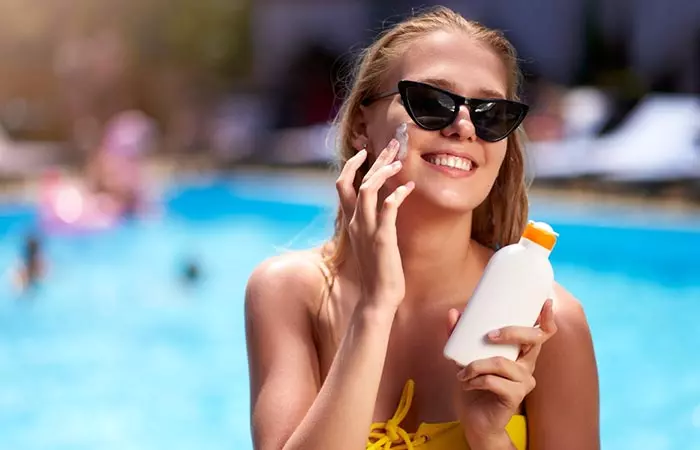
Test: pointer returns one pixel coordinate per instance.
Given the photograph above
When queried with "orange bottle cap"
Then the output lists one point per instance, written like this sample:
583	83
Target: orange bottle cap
541	233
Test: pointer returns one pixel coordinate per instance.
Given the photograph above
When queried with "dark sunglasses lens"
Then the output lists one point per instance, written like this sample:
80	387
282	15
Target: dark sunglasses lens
431	109
495	120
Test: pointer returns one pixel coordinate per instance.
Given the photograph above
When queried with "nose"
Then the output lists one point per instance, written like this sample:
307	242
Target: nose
462	127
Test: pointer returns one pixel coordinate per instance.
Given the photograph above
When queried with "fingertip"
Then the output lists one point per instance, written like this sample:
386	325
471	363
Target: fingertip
494	335
546	308
550	307
452	319
357	159
410	185
453	314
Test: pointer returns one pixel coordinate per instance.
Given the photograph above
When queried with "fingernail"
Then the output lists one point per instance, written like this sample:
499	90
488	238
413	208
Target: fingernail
495	334
410	185
396	164
462	375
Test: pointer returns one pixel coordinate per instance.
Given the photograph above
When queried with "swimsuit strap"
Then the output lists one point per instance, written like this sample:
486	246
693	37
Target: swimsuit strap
389	435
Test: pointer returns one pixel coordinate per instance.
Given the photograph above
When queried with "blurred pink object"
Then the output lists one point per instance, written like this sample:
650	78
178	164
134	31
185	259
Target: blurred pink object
127	137
114	189
130	133
65	207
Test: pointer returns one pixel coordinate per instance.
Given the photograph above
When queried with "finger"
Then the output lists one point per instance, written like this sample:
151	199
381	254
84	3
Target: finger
511	391
528	335
453	316
546	320
502	367
367	198
344	184
528	356
385	157
387	219
522	336
539	317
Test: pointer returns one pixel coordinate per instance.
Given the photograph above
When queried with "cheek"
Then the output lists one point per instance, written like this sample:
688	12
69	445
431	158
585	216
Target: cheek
382	125
495	154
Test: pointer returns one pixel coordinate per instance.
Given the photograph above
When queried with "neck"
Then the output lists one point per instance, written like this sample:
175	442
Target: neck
436	250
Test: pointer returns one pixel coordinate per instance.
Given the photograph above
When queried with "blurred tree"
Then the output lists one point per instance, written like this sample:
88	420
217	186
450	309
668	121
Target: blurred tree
92	58
189	53
204	36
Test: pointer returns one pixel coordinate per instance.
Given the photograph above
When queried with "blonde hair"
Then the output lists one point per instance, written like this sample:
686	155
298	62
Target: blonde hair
501	218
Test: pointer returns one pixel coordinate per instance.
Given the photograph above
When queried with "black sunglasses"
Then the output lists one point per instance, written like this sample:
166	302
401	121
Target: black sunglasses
432	108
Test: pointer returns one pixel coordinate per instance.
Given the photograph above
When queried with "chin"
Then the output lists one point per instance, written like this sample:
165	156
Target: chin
443	193
447	200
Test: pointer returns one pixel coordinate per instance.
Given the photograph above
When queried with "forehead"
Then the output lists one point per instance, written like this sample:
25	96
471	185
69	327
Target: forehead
467	67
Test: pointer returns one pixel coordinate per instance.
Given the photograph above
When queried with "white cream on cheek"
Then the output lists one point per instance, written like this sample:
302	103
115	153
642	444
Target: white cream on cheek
402	136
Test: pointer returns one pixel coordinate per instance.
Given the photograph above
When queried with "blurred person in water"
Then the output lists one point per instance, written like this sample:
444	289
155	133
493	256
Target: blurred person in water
31	267
114	172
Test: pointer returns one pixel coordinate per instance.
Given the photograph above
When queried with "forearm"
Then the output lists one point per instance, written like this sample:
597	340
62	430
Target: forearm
341	415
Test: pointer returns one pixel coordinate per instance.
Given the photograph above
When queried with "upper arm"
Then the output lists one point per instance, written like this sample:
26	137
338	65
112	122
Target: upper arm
282	356
563	410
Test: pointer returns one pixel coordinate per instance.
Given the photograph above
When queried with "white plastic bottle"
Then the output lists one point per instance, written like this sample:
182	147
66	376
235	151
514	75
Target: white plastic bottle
516	282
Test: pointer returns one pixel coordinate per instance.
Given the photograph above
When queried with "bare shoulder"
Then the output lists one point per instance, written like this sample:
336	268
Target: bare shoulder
569	314
278	321
563	410
290	277
573	332
282	358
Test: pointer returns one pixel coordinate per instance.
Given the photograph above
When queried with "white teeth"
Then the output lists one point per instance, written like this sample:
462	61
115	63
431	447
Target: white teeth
451	161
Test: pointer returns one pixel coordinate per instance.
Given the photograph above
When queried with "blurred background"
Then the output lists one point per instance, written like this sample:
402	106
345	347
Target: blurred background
153	152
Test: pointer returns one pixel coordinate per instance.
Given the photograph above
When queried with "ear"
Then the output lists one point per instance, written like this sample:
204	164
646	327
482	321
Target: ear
360	139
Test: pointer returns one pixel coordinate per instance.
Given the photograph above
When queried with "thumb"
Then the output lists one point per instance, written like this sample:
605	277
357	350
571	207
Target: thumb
452	317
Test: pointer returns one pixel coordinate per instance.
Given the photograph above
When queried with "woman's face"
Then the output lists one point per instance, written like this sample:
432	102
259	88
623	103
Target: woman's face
455	62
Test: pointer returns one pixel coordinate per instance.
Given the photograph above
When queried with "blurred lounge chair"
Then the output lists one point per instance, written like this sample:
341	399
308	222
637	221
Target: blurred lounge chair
659	142
21	159
585	112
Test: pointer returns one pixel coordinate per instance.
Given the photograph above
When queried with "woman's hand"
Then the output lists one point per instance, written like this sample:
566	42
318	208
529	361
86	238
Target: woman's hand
493	389
372	227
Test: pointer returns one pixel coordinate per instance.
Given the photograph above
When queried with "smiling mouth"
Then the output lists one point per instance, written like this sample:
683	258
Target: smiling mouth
450	161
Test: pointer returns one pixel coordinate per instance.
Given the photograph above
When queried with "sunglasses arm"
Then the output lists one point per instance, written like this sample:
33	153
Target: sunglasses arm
368	101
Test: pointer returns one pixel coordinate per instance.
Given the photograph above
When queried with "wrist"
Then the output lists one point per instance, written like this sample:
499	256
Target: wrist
373	312
492	441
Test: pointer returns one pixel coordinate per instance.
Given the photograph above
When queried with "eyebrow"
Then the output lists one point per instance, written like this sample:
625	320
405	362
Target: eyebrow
451	86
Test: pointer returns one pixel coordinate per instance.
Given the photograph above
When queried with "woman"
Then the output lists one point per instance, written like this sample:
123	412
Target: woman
345	341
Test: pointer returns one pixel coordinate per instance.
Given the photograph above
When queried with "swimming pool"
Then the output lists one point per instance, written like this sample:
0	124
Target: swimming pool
114	352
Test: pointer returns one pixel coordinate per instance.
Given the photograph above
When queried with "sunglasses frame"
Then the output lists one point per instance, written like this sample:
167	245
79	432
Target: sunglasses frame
458	100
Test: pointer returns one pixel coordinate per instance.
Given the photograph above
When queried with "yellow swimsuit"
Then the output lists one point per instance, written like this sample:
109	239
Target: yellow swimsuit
431	436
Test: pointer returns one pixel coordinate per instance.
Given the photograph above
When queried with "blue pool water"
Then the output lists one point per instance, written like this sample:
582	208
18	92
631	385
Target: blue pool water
113	352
